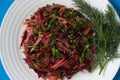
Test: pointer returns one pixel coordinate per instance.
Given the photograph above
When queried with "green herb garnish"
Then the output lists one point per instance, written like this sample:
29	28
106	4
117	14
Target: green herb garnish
32	16
45	14
37	31
32	24
55	52
107	31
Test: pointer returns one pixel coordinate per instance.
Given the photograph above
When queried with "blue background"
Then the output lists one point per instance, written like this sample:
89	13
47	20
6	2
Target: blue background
4	5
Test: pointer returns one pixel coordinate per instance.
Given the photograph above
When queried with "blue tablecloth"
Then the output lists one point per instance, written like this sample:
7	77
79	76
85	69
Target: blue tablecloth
4	5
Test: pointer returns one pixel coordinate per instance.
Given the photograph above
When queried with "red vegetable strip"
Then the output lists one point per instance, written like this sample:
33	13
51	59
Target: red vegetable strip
37	42
87	30
58	64
24	37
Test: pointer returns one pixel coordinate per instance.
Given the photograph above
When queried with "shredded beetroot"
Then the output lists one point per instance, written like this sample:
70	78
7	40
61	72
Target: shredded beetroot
57	42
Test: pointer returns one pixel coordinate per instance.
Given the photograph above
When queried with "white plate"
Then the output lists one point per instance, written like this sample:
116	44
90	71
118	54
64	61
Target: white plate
12	28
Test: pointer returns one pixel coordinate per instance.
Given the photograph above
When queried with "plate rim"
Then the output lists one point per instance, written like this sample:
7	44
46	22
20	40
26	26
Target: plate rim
12	5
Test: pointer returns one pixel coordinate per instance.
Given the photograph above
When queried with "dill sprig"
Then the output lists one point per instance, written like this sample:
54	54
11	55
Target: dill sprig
107	30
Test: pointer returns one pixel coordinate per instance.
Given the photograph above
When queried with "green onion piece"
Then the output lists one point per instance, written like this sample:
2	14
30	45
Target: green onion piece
70	36
72	47
85	40
48	26
55	52
38	60
62	9
36	48
45	14
81	58
48	5
37	31
52	59
29	46
73	12
32	16
66	26
32	24
78	19
71	41
87	46
52	21
52	15
53	3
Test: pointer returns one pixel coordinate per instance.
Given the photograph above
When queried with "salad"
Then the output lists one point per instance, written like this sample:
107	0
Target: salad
57	42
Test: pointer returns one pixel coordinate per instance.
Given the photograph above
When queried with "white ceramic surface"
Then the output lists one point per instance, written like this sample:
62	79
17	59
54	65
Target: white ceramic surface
12	28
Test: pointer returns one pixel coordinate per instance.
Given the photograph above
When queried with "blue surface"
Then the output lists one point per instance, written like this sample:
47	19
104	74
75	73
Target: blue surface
4	5
116	4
